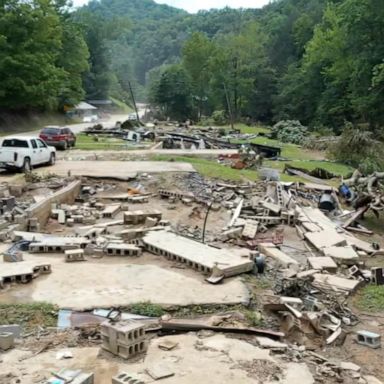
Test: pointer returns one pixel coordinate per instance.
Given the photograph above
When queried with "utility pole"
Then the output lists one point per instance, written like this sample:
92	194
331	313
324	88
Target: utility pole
229	106
133	100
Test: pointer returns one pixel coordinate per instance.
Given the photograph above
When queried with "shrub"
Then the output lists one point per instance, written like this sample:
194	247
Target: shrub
219	117
146	308
289	131
358	148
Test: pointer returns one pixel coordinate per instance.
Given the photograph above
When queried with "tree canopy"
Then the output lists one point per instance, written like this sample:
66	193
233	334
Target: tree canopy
317	61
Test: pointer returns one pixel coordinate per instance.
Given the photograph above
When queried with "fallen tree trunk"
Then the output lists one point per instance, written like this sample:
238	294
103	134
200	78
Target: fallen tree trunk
194	327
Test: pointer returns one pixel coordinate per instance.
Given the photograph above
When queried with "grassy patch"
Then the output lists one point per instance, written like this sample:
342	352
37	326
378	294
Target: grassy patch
146	308
208	309
85	142
251	129
253	318
336	168
373	223
371	298
29	316
212	169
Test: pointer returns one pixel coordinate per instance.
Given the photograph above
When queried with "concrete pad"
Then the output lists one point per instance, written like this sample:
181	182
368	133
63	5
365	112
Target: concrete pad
220	359
102	283
217	359
298	373
123	170
37	369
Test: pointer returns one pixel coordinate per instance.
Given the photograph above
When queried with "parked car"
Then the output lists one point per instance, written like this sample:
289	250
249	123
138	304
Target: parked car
23	152
90	119
58	137
132	117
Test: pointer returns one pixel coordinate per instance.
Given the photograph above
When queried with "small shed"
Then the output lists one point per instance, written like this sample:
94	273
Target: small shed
84	109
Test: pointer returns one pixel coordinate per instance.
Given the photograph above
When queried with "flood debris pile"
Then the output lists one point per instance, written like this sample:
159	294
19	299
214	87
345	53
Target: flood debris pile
203	234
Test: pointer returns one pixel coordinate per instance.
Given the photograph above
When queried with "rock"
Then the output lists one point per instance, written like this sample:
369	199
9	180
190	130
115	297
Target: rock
265	342
167	345
348	366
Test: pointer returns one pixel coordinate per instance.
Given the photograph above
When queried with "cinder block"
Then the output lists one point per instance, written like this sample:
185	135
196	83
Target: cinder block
125	378
72	255
150	222
370	339
125	339
7	340
73	377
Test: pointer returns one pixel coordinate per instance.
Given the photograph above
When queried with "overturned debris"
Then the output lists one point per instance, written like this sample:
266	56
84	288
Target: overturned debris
196	255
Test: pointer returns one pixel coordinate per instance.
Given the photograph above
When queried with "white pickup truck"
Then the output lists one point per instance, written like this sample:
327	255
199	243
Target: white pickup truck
23	153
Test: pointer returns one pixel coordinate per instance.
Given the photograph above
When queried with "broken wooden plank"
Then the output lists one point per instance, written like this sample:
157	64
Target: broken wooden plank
359	230
236	214
355	216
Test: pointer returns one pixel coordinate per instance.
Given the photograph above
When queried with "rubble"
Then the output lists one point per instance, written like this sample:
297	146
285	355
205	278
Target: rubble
271	233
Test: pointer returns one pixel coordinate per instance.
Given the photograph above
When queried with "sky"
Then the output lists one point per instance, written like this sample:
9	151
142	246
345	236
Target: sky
196	5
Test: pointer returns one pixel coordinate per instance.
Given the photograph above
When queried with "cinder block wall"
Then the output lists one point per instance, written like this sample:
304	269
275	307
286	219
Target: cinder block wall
42	209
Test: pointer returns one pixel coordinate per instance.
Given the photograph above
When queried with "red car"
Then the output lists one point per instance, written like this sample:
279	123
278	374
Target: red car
58	137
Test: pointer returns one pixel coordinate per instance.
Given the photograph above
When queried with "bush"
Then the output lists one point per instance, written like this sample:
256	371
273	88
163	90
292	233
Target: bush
289	131
358	148
146	308
219	118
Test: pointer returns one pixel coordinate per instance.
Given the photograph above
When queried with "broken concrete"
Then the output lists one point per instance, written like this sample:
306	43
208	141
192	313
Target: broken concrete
280	257
335	283
322	264
324	239
196	255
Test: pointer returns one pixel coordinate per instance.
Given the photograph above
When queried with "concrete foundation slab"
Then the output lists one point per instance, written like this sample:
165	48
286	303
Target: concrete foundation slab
110	282
123	170
217	358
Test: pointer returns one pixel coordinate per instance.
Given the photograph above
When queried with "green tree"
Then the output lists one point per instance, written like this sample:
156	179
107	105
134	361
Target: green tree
173	93
30	45
197	55
74	61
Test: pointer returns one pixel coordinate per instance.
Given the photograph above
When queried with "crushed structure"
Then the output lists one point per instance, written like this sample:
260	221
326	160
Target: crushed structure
196	255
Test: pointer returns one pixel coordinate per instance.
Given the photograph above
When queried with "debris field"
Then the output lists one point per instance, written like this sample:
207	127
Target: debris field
168	276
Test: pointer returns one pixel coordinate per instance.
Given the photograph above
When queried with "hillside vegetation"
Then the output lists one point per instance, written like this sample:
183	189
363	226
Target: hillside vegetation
316	61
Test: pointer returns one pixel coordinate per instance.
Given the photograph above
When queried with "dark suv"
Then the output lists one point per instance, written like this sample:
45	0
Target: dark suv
59	137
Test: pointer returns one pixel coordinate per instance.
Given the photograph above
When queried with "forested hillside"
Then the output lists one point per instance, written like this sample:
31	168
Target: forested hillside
318	61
